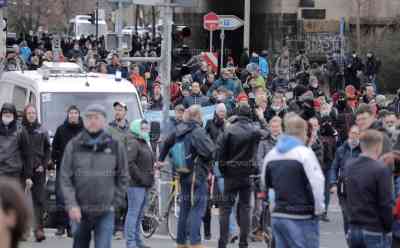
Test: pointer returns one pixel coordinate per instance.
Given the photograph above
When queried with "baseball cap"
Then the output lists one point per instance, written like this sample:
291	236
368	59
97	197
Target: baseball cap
122	104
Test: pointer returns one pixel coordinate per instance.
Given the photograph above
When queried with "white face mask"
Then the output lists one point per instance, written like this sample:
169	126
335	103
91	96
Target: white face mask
354	143
391	129
7	120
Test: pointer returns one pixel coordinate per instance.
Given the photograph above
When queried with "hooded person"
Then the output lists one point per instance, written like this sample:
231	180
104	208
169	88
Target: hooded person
71	127
40	145
140	164
301	195
15	150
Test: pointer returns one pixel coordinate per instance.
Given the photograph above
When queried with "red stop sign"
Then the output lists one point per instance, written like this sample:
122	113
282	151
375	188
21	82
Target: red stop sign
211	21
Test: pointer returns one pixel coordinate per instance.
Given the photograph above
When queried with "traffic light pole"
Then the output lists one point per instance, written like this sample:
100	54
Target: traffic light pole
97	22
166	63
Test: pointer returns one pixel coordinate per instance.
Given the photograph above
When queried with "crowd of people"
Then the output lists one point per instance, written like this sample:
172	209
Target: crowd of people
308	131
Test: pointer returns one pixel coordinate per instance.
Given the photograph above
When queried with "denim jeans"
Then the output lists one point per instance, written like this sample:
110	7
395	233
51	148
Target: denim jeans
192	210
103	227
234	188
137	198
233	228
292	233
360	238
327	190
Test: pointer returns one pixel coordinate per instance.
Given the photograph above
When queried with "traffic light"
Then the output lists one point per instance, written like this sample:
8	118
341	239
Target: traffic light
92	18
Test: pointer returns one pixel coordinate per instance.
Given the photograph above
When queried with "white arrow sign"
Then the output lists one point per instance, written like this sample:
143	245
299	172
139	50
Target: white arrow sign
230	22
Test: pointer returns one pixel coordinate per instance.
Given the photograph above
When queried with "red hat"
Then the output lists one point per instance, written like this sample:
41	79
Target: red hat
242	97
317	104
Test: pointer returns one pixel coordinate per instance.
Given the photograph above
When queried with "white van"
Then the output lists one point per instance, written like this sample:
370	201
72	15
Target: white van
81	25
56	86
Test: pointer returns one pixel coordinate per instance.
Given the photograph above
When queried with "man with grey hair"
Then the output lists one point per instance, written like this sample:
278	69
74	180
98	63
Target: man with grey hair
94	180
299	199
199	151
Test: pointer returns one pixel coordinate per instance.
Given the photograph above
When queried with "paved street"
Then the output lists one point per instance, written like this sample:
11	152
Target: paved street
331	236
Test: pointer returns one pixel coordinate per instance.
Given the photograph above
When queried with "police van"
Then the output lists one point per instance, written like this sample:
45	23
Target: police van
55	86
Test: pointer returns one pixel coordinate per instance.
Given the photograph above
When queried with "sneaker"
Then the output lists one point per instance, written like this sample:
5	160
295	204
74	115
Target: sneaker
118	235
143	246
207	237
40	235
325	218
60	232
233	238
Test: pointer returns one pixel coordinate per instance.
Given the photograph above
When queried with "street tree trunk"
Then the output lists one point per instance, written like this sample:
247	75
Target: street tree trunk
358	26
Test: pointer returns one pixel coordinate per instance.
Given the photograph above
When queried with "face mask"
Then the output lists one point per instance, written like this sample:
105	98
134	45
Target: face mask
276	108
323	114
354	55
354	143
6	120
369	55
391	129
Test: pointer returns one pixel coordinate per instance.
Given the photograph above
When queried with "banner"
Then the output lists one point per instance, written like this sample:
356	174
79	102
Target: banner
156	116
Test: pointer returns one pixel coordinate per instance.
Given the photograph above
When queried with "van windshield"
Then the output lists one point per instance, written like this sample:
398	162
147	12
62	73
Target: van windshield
54	106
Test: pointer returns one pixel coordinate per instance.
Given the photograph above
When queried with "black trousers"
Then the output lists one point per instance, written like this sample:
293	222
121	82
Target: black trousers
39	198
232	189
207	220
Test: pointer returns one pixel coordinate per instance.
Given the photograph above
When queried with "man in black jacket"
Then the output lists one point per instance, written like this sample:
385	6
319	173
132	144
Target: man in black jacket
40	146
368	186
15	151
237	151
71	127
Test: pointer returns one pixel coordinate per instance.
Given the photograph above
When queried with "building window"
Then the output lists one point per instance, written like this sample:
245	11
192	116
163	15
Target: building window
19	98
307	4
313	14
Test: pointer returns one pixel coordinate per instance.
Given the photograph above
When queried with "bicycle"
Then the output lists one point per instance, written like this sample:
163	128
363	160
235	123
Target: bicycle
263	217
153	216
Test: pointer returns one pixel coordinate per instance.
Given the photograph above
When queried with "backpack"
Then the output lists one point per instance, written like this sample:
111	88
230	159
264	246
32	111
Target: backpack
182	156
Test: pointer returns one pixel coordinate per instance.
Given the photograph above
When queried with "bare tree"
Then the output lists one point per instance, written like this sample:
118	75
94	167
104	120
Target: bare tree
360	4
27	15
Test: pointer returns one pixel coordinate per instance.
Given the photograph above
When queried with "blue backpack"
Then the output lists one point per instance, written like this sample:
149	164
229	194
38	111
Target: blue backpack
182	155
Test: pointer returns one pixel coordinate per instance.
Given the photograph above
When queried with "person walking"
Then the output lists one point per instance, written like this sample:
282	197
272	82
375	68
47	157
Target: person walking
299	199
368	187
119	130
71	127
214	129
15	150
200	149
93	160
237	148
40	146
141	160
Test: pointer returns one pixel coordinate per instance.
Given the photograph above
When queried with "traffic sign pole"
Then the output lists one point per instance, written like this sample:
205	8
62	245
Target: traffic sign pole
222	49
211	41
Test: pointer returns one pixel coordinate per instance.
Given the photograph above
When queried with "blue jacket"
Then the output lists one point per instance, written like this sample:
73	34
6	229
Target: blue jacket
229	84
343	154
264	66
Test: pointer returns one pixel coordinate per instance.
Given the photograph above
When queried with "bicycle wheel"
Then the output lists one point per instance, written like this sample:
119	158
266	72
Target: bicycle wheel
150	220
172	217
267	228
